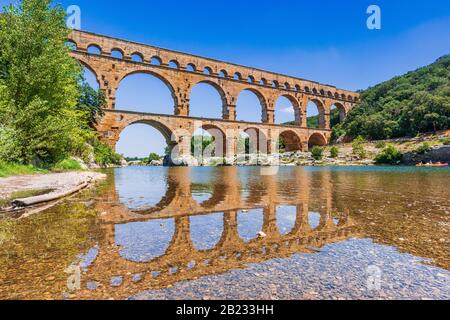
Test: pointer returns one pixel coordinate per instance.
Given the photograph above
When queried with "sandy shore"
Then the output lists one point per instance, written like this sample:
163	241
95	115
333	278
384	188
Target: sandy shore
59	184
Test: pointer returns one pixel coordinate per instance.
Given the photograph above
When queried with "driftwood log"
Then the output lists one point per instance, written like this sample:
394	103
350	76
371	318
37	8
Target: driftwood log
22	203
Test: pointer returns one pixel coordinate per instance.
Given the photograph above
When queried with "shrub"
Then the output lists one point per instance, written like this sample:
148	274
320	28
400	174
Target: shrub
389	155
424	148
445	141
153	157
334	152
105	155
67	164
380	145
317	153
358	147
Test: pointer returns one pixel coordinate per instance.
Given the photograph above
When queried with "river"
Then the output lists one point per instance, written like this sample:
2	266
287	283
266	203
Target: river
237	233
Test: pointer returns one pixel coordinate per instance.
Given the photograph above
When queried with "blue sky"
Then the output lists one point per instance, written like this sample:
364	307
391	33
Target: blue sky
322	40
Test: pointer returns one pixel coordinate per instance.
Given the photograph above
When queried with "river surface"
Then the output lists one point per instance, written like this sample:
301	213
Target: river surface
237	233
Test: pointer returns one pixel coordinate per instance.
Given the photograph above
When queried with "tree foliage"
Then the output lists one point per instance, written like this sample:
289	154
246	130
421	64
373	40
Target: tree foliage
414	103
39	118
390	155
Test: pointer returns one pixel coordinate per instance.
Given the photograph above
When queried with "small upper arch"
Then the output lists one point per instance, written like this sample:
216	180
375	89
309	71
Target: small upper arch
117	53
156	61
223	74
207	71
94	49
174	64
71	45
191	67
137	57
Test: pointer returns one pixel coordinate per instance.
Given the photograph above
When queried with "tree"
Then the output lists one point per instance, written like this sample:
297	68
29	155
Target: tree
153	157
417	102
91	103
39	119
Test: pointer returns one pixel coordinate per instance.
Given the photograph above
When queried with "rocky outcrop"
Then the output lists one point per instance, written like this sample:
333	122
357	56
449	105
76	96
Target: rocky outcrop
439	154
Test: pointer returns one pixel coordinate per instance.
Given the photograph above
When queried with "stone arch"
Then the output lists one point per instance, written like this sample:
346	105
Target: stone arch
295	105
159	77
223	74
71	45
291	140
174	64
218	89
191	67
237	76
342	111
262	103
156	61
94	46
166	132
137	57
317	139
220	141
258	141
207	71
119	51
321	112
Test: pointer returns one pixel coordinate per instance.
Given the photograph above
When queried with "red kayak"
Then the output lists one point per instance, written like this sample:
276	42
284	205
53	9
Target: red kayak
433	165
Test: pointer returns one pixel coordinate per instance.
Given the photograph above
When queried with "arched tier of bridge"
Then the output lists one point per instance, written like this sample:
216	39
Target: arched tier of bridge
181	72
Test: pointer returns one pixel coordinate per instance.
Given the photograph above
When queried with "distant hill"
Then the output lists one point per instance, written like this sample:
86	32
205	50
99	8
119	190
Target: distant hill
417	102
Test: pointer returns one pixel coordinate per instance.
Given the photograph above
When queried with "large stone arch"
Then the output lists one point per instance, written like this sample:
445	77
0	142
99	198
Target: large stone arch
219	136
262	101
321	107
157	75
258	140
292	140
219	90
295	104
91	69
342	110
317	139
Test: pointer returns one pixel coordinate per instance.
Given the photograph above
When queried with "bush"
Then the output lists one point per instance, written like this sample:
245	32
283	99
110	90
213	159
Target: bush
389	155
445	141
358	147
424	148
334	152
380	145
67	164
153	157
317	153
105	155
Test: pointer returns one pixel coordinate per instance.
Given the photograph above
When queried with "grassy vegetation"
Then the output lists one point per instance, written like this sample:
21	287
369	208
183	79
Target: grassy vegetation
7	169
67	164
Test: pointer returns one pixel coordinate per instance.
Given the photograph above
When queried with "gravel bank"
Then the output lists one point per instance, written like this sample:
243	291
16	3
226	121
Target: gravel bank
60	184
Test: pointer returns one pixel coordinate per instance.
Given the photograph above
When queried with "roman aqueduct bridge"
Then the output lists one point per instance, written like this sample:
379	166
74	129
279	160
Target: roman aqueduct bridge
181	72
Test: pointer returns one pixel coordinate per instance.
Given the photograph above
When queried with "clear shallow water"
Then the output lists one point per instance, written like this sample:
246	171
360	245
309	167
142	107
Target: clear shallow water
237	233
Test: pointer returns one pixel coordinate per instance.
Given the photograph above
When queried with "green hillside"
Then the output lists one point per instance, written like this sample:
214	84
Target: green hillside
417	102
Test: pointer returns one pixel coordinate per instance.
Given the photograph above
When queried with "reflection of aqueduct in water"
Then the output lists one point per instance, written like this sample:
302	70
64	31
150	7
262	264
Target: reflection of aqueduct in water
181	72
183	261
